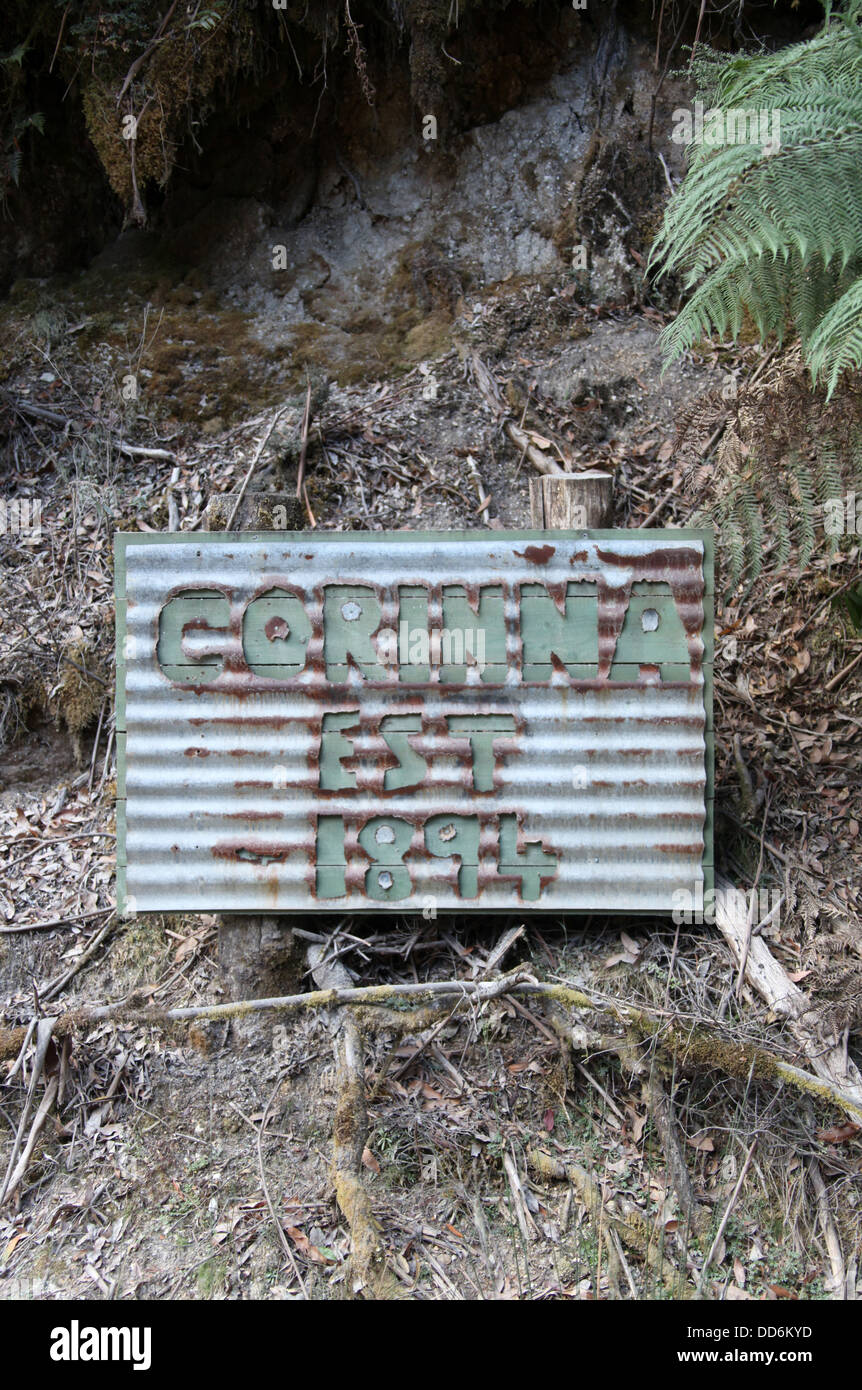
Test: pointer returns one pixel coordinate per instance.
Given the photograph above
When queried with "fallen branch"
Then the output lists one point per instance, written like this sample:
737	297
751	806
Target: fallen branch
660	505
845	671
53	417
56	840
538	459
14	1182
143	451
726	1217
157	38
690	1039
57	922
838	1277
826	1053
250	470
526	1224
488	388
303	441
56	986
16	1167
282	1238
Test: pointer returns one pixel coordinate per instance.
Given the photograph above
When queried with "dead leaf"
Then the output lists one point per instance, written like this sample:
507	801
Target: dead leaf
305	1247
11	1246
430	1095
369	1161
703	1143
838	1134
548	1120
629	954
739	1271
189	944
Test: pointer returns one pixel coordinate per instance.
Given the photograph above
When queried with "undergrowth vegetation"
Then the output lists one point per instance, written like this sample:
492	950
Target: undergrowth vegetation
766	237
772	232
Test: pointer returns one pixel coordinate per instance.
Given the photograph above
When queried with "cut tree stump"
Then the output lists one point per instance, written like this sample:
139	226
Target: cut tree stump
574	502
258	511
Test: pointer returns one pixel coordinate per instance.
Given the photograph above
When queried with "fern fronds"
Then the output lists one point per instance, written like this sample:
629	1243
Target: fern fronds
767	507
806	510
732	543
776	232
855	468
777	517
836	343
828	481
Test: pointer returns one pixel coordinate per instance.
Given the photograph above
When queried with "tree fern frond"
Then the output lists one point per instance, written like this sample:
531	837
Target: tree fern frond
776	514
751	521
733	548
836	343
806	510
827	475
776	232
855	469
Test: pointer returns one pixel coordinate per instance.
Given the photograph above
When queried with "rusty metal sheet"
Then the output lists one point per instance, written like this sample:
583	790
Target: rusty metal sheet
414	722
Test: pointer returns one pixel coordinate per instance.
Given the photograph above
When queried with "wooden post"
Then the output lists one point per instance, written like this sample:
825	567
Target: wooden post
575	502
257	954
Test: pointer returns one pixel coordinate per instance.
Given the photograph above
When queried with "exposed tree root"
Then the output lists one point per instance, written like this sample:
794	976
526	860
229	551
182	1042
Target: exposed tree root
370	1275
692	1042
660	1107
632	1228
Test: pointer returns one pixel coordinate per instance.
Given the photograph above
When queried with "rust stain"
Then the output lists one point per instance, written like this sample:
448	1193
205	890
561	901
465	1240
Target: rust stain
255	851
276	627
536	554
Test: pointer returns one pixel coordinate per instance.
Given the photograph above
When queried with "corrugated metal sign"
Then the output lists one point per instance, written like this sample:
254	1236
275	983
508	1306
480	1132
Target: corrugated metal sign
414	721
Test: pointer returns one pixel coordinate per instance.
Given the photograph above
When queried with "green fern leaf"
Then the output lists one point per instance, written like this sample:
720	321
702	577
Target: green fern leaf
776	234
